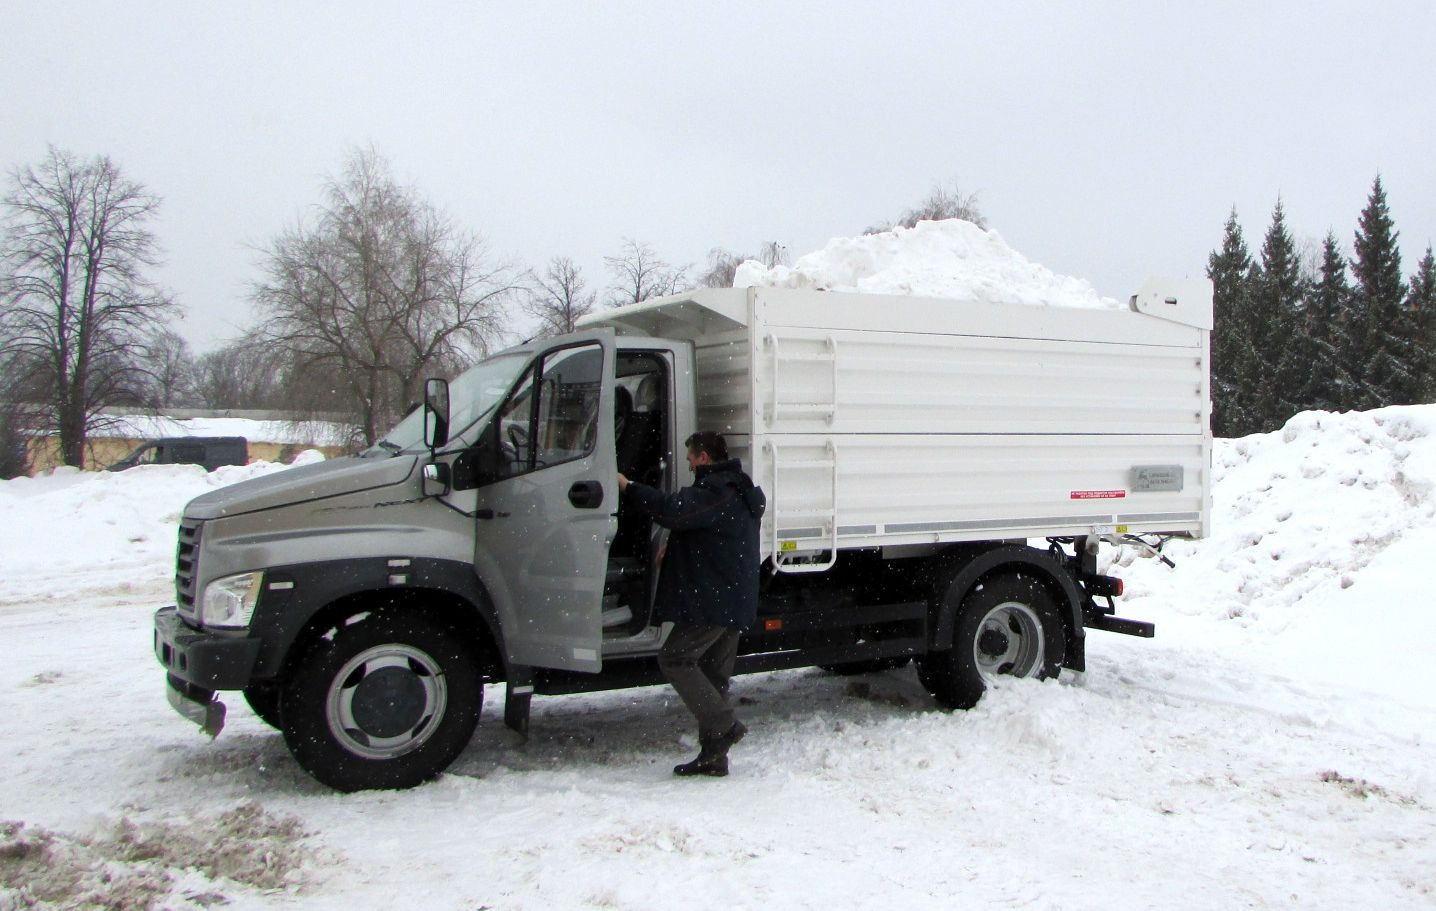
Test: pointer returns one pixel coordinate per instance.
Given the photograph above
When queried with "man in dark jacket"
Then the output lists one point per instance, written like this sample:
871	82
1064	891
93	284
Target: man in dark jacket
708	587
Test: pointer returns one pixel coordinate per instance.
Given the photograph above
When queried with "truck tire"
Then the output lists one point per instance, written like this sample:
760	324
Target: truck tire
1008	625
263	699
388	701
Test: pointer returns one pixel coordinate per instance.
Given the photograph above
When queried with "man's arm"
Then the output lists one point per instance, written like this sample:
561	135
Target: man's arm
691	507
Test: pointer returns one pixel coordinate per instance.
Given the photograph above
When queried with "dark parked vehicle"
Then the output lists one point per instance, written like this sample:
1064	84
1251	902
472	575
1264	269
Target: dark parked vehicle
211	452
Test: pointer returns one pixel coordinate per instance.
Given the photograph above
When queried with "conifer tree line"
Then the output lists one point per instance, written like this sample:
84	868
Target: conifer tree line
1329	332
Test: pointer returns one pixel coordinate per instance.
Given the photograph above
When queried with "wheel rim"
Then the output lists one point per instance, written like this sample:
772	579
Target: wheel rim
386	701
1009	642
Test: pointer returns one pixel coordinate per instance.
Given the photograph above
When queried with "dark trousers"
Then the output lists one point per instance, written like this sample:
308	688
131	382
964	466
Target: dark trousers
698	660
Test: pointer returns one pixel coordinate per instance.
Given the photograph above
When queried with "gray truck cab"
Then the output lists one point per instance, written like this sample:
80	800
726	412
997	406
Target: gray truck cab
361	603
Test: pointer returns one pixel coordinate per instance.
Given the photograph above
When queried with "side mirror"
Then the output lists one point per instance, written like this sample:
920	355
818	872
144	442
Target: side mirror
436	413
437	480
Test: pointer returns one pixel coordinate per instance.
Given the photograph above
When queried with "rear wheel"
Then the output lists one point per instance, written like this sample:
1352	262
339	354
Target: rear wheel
1007	626
388	701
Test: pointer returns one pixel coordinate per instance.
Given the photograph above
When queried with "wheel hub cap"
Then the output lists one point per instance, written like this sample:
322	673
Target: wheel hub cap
1009	642
386	701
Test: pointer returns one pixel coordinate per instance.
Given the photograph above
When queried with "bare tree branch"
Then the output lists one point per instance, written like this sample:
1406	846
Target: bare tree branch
378	291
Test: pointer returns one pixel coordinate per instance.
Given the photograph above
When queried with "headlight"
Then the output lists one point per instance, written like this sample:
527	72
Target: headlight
229	602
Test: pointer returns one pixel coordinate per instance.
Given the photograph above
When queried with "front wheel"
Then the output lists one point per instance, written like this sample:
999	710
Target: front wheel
263	700
387	701
1007	626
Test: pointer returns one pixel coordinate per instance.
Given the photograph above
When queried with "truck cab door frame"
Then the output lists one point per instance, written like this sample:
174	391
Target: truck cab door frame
543	527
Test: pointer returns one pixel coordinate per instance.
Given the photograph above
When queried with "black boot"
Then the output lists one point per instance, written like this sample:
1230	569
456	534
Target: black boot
712	757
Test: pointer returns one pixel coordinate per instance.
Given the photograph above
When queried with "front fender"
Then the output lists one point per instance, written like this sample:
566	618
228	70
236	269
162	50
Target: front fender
295	595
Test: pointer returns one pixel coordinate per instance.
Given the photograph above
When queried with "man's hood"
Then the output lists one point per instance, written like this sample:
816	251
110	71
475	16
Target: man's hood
729	473
304	483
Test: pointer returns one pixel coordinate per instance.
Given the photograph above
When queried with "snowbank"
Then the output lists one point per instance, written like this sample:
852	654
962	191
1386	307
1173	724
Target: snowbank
949	259
69	532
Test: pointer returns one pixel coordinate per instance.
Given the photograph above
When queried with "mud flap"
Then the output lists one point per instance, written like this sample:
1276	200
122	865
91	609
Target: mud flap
517	695
196	704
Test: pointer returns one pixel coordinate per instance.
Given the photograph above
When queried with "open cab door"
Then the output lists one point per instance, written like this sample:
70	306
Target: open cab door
545	511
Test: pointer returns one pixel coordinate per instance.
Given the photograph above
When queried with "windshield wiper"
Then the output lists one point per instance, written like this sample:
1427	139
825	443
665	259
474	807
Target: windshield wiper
389	447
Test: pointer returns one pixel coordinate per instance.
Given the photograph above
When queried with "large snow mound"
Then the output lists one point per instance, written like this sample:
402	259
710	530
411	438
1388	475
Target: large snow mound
1320	534
947	259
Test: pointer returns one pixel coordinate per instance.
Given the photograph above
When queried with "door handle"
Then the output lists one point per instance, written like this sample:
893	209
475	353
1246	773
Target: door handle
586	494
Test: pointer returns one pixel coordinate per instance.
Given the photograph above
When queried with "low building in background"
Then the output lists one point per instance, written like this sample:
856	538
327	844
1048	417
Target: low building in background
271	436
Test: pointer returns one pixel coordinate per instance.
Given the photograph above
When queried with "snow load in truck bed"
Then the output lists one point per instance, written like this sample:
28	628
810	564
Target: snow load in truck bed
946	259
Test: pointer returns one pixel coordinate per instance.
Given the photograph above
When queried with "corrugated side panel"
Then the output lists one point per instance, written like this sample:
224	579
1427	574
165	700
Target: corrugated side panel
861	381
913	489
724	385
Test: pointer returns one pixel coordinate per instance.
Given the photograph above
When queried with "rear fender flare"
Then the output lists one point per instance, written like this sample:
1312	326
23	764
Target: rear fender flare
957	578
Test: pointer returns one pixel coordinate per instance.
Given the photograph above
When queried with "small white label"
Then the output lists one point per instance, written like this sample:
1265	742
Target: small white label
280	586
585	654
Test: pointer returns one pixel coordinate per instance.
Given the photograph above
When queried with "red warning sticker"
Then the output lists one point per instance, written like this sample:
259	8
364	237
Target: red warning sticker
1098	494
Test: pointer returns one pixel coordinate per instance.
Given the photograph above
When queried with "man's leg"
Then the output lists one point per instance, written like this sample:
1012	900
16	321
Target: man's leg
682	662
717	662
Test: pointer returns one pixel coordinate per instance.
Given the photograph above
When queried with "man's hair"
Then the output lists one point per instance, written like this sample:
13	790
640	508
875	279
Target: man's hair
711	442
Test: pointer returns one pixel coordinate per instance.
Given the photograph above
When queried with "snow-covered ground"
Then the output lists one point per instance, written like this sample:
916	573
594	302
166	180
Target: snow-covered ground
1274	746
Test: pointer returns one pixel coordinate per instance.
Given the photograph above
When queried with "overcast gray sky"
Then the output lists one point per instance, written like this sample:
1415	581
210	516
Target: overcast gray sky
1106	141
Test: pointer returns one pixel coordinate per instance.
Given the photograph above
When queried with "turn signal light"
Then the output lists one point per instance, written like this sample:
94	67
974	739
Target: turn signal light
772	625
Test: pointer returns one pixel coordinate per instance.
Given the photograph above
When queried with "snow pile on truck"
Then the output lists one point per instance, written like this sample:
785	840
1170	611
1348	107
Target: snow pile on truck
947	259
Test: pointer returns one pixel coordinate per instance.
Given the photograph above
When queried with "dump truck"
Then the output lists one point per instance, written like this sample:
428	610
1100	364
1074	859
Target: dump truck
941	474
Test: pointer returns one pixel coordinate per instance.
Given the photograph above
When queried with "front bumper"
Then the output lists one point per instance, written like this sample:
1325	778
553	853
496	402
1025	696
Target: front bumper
205	660
198	663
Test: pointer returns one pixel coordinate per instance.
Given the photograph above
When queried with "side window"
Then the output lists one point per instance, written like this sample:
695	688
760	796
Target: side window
514	421
568	403
552	414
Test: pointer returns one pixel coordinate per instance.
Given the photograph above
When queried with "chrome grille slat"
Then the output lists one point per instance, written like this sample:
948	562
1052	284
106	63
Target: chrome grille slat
187	565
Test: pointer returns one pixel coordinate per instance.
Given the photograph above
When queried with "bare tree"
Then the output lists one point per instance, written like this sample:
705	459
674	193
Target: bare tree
559	298
169	370
77	312
245	373
723	264
378	291
940	203
638	274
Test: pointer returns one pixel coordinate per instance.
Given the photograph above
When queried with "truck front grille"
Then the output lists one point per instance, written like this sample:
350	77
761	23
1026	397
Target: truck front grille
187	565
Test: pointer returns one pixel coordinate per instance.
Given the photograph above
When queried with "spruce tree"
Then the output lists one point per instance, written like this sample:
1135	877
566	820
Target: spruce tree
1327	302
1233	356
1280	378
1381	334
1421	307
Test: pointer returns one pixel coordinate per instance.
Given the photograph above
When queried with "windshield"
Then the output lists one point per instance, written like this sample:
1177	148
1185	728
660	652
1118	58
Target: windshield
472	395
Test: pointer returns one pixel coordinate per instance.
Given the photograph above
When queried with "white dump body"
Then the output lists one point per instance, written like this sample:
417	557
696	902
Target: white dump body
885	421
